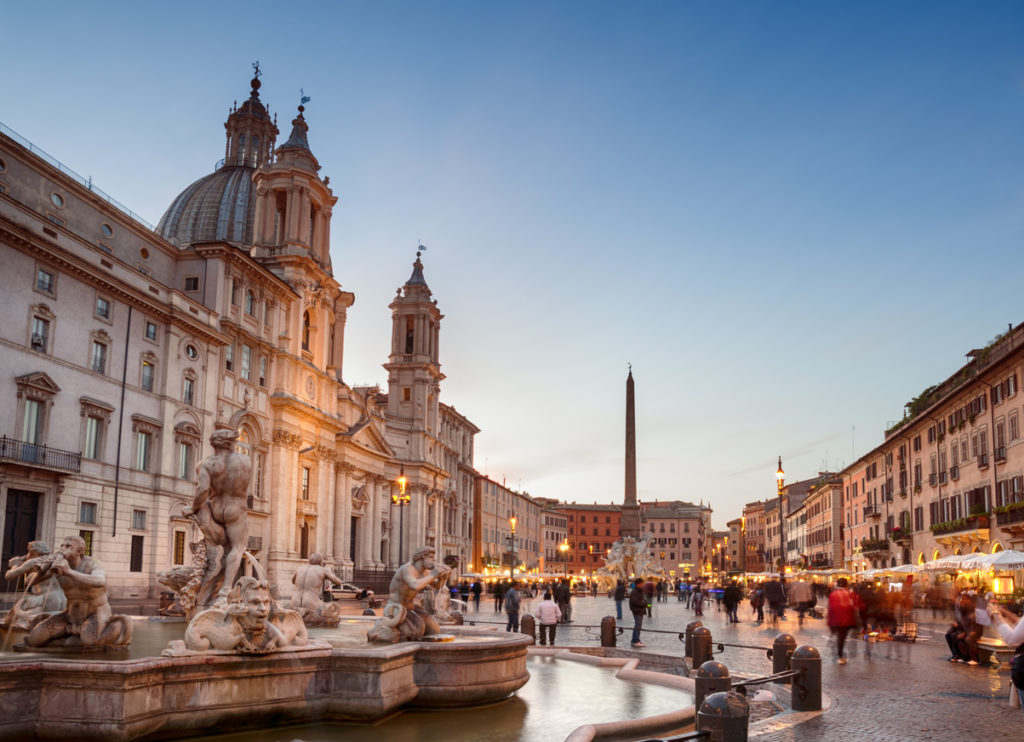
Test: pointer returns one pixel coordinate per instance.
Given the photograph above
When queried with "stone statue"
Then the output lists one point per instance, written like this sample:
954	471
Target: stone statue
42	594
249	623
400	620
220	510
630	557
87	620
307	598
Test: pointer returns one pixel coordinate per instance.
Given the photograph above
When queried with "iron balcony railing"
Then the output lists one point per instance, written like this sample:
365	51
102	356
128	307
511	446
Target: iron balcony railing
46	457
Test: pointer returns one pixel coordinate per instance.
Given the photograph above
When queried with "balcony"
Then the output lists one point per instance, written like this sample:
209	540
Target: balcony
964	532
306	507
933	479
872	511
954	473
40	457
942	477
1001	453
1010	517
900	535
982	460
869	547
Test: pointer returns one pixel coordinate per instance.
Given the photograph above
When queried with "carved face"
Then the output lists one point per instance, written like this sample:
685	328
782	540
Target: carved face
257	604
73	549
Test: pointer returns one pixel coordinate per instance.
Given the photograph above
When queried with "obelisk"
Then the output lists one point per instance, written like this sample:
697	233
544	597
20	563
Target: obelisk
630	522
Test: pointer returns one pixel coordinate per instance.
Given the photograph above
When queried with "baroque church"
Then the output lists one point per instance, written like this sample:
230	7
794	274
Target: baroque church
125	345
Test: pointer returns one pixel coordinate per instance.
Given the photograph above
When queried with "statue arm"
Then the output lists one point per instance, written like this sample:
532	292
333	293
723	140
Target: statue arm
204	489
331	577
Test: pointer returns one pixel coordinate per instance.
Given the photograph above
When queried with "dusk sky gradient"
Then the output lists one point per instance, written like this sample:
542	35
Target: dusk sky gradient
790	217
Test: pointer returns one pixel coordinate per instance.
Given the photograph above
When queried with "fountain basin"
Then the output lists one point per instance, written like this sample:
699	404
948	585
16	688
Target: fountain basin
169	697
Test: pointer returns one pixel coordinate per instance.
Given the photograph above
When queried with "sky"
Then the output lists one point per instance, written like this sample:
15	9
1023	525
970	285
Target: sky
789	217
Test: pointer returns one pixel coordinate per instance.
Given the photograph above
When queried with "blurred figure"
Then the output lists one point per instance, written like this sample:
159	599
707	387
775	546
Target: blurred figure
732	597
548	615
638	607
619	595
1011	629
801	598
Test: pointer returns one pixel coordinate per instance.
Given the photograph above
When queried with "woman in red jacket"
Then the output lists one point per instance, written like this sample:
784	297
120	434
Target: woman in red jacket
842	615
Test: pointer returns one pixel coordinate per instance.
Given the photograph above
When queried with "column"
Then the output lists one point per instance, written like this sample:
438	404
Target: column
376	508
342	513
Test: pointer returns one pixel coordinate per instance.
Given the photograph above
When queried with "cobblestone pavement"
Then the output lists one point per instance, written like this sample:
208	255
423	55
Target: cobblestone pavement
887	691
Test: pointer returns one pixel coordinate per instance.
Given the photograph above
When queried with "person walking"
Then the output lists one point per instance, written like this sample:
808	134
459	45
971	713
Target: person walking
499	596
698	599
619	595
563	596
512	607
638	607
548	615
757	602
775	594
801	598
732	596
477	589
648	588
842	615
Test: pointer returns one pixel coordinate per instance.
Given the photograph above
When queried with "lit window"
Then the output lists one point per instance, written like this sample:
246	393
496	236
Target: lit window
147	376
179	547
86	536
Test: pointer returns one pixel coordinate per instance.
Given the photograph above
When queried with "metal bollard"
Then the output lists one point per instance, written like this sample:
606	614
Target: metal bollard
688	638
528	626
725	716
712	677
608	631
701	646
781	649
806	695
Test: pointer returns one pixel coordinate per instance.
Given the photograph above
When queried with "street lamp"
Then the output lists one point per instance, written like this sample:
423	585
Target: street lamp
781	477
564	548
401	500
512	549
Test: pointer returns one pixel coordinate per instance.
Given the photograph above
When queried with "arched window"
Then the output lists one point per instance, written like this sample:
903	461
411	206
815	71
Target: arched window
305	330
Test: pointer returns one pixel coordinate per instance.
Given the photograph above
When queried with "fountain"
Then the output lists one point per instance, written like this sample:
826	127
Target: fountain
242	660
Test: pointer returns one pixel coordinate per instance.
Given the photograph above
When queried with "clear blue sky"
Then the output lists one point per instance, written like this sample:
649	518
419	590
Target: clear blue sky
790	217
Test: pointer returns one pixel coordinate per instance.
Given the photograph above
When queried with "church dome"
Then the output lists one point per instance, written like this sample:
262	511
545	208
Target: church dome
217	207
221	206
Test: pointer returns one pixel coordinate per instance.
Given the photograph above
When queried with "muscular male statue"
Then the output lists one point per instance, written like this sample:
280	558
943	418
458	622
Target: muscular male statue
400	621
87	620
220	510
307	597
42	594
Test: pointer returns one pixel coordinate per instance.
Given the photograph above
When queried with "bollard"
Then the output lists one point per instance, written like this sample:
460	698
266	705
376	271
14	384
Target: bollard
725	716
608	631
528	626
712	677
781	649
688	641
701	646
806	695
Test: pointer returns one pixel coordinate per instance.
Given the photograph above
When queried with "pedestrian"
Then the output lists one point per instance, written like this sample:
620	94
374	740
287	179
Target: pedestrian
842	616
1011	629
801	598
697	593
648	588
464	593
499	596
563	597
477	589
757	602
732	597
638	607
967	640
512	607
619	595
548	615
775	595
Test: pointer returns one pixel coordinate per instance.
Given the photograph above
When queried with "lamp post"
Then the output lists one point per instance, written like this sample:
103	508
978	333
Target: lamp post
401	500
564	548
512	549
781	477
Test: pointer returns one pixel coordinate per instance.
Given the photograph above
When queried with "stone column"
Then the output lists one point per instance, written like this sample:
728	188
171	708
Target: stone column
342	513
375	508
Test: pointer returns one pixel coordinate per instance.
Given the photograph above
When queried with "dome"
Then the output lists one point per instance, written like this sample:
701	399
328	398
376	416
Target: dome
217	207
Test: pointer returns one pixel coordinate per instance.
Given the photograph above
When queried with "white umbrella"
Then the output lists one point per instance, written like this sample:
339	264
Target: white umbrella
904	569
1008	559
946	563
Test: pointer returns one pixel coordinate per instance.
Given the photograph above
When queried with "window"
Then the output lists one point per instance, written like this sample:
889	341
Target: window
234	293
305	483
266	314
93	438
147	376
87	513
246	363
191	283
178	556
98	362
263	370
306	331
150	331
190	352
188	391
143	448
102	308
40	339
139	520
86	536
45	281
184	460
57	200
32	426
107	230
136	557
229	358
406	394
250	303
1014	426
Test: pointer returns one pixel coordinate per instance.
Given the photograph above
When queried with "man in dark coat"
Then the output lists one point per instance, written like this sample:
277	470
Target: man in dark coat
638	607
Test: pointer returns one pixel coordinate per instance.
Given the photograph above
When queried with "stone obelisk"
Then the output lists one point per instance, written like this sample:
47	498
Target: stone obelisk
630	522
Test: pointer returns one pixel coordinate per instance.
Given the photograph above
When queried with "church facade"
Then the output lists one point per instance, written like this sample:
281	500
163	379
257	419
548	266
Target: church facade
125	344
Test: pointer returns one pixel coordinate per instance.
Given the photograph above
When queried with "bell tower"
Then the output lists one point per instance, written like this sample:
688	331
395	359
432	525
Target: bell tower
414	372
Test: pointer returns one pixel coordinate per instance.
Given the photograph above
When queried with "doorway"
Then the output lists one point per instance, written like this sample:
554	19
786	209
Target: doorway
20	520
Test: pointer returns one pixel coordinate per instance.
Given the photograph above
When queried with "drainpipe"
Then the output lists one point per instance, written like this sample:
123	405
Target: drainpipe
120	419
